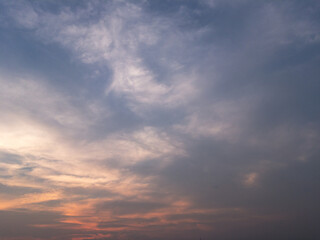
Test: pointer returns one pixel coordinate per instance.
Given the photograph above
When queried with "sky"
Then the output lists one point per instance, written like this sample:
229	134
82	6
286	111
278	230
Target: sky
159	120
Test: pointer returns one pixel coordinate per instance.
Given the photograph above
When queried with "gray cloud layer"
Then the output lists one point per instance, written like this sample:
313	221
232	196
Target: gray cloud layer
159	119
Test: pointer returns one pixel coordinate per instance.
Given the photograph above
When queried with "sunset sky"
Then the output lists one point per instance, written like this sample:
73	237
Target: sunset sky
159	120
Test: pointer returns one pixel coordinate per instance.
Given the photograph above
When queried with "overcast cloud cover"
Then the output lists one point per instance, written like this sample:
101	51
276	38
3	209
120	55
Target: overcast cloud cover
159	120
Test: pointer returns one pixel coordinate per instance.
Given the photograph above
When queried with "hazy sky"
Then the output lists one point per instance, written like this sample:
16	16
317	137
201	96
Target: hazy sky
159	120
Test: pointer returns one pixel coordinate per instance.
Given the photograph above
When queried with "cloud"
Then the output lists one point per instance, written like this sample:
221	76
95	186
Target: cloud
159	119
115	41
